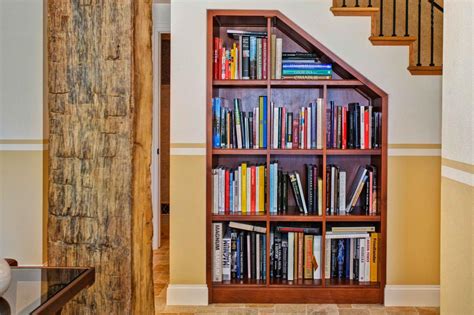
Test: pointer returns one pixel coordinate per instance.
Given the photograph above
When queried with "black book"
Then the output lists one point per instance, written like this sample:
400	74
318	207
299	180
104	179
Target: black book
223	128
243	127
299	56
234	130
277	253
357	126
296	191
334	258
233	250
341	251
245	57
284	254
243	251
284	188
309	187
328	189
272	254
347	258
356	259
280	111
253	255
250	129
263	255
350	126
231	130
315	189
339	127
379	132
280	191
289	128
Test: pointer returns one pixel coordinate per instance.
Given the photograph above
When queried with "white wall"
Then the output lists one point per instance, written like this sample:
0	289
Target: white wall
415	100
21	130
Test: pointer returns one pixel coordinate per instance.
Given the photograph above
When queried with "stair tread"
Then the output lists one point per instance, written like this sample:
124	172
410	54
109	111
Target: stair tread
426	70
392	40
354	11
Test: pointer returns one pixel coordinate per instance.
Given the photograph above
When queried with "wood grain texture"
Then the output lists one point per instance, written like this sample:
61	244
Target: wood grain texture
93	97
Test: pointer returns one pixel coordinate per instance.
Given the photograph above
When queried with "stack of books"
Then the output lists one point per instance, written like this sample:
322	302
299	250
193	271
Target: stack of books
352	253
239	253
299	65
281	181
236	129
353	127
302	130
245	58
239	190
295	253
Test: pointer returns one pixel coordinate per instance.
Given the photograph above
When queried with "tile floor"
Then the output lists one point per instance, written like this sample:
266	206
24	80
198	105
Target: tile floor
161	278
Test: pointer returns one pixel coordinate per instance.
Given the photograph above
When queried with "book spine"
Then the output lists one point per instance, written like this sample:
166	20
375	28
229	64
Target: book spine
334	261
265	113
253	255
300	255
315	72
272	254
253	185
291	253
362	251
249	256
259	59
340	258
284	192
327	261
342	193
279	191
258	251
277	253
295	139
284	257
249	189
278	52
356	259
245	57
283	128
273	55
217	251
264	58
309	186
243	191
308	257
253	57
317	257
226	258
215	59
351	258
263	256
366	128
374	239
234	253
367	259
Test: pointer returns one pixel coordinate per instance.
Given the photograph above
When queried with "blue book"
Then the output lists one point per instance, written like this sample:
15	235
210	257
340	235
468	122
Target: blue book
253	57
264	255
347	257
272	191
231	191
264	122
313	125
216	109
340	258
312	66
238	269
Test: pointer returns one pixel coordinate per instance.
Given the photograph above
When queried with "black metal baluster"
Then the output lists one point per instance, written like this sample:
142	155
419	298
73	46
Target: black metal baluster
419	33
370	4
381	18
357	4
344	3
432	34
394	33
406	18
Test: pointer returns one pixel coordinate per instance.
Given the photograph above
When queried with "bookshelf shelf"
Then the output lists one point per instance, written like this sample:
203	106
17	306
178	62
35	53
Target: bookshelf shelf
347	86
239	217
353	218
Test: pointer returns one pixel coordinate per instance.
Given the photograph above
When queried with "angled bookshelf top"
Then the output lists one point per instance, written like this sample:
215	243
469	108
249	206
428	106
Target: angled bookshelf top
297	39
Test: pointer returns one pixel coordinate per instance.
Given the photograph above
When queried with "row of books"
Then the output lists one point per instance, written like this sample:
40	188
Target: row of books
245	58
238	190
298	131
352	255
295	253
353	126
238	252
281	181
238	129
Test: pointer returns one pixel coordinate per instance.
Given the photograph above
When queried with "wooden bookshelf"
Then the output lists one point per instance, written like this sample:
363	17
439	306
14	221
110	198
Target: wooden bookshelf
347	84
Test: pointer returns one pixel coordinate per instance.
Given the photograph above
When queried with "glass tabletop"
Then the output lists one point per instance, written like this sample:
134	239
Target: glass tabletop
32	287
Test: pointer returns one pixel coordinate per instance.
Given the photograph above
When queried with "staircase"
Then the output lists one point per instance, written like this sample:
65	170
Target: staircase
417	24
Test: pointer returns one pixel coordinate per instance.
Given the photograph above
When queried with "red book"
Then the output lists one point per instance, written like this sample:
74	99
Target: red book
283	130
227	196
227	67
295	133
366	129
216	58
264	58
344	127
252	187
222	62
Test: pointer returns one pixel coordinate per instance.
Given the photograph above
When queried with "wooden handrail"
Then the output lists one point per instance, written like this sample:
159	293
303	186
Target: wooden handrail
436	5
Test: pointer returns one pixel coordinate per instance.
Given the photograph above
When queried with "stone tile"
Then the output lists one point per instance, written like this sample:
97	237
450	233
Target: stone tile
321	309
368	306
344	305
227	305
401	310
353	311
290	309
377	311
261	306
241	311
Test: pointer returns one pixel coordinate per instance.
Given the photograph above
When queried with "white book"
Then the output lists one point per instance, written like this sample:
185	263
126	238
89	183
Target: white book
226	257
278	52
362	143
320	196
367	259
327	260
357	188
257	256
362	245
342	192
275	186
215	191
249	261
256	128
257	191
221	189
369	145
291	256
351	258
308	128
239	189
317	256
349	229
319	130
217	252
333	190
300	188
247	227
330	235
249	188
275	127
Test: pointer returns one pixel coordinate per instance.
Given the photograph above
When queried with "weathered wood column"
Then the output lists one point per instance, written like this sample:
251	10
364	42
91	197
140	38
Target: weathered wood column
100	111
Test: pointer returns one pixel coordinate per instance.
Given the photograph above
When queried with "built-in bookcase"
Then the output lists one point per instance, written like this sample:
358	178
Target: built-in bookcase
346	86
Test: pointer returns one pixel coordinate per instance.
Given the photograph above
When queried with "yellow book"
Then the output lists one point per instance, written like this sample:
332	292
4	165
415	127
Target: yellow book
374	239
243	192
261	188
232	64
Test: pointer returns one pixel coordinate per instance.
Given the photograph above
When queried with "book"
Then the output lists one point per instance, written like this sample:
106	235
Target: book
247	227
294	229
278	53
300	255
356	188
226	256
352	229
291	253
245	57
308	256
317	265
217	252
374	239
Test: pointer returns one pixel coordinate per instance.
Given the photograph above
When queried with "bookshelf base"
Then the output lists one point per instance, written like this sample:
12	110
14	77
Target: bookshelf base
232	294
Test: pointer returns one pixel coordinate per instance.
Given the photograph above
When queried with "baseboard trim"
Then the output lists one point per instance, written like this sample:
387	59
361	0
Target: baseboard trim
412	295
187	294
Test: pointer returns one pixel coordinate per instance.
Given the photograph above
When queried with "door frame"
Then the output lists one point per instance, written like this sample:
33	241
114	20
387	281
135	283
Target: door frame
158	30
